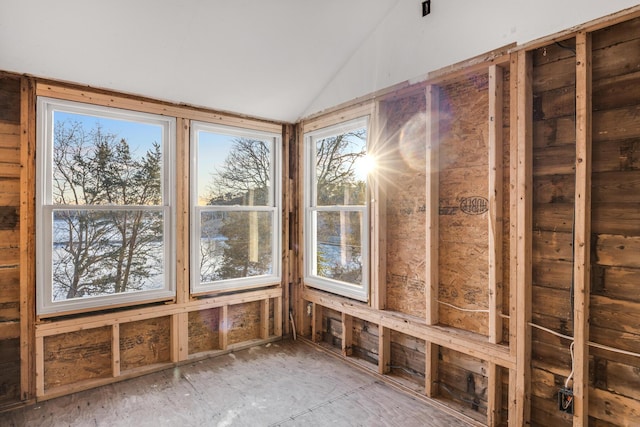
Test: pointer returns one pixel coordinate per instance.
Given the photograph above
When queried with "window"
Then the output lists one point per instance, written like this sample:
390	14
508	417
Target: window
235	195
104	207
336	220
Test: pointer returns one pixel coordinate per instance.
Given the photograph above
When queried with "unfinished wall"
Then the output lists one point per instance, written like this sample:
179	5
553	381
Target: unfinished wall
615	302
9	239
554	79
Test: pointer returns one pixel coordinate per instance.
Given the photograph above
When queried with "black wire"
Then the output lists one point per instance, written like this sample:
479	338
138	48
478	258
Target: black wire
569	48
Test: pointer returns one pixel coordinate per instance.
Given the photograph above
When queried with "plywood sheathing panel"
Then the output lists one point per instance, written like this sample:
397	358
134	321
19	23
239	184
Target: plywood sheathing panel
403	130
243	322
145	343
204	332
463	152
76	356
614	392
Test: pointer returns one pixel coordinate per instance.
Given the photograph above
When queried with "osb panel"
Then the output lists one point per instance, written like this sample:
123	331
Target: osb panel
204	330
244	322
404	130
463	191
145	342
77	356
9	370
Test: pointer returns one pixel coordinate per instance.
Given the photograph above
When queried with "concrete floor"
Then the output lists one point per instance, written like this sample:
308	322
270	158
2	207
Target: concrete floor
280	384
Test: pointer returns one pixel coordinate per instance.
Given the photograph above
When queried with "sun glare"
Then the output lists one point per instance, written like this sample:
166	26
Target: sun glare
365	165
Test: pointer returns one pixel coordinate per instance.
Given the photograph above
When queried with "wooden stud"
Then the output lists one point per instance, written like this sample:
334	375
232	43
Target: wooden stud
513	234
179	337
347	335
39	366
115	350
277	316
223	330
432	355
494	391
495	203
432	197
384	350
182	210
524	244
494	395
27	239
287	233
378	215
264	319
582	235
316	323
432	185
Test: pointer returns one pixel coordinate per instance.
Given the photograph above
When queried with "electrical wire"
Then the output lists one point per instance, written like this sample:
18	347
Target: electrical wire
570	377
470	310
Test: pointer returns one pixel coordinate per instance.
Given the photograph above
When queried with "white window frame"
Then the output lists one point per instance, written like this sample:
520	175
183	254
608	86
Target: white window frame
274	207
45	306
338	287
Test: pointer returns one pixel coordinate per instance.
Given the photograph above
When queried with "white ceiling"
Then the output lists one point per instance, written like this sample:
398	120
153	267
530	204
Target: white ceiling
267	58
277	59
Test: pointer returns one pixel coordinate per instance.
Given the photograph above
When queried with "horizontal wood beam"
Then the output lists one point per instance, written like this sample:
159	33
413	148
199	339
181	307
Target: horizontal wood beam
468	343
65	326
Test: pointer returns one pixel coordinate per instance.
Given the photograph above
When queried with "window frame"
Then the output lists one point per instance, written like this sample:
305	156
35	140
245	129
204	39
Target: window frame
275	207
349	290
45	208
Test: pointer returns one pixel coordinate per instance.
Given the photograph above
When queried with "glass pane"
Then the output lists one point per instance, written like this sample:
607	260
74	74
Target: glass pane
106	252
339	246
233	170
235	245
341	168
103	161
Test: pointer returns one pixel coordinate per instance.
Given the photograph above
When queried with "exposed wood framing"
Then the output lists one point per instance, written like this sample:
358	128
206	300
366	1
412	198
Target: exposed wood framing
432	176
223	330
378	217
582	235
93	96
316	323
115	350
182	210
494	395
27	238
384	350
513	236
433	235
524	244
264	318
288	252
462	341
495	203
347	335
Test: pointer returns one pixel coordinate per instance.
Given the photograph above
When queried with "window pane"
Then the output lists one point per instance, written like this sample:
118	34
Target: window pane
235	245
341	171
233	170
103	161
106	252
339	246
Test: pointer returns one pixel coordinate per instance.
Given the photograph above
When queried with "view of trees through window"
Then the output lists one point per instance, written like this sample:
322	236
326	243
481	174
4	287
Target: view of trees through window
236	206
106	195
339	188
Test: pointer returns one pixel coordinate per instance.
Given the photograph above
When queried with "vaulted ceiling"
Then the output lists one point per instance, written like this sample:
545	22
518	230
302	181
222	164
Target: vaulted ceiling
267	58
276	59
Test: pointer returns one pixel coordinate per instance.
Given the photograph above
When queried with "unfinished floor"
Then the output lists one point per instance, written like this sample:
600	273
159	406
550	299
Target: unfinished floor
280	384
